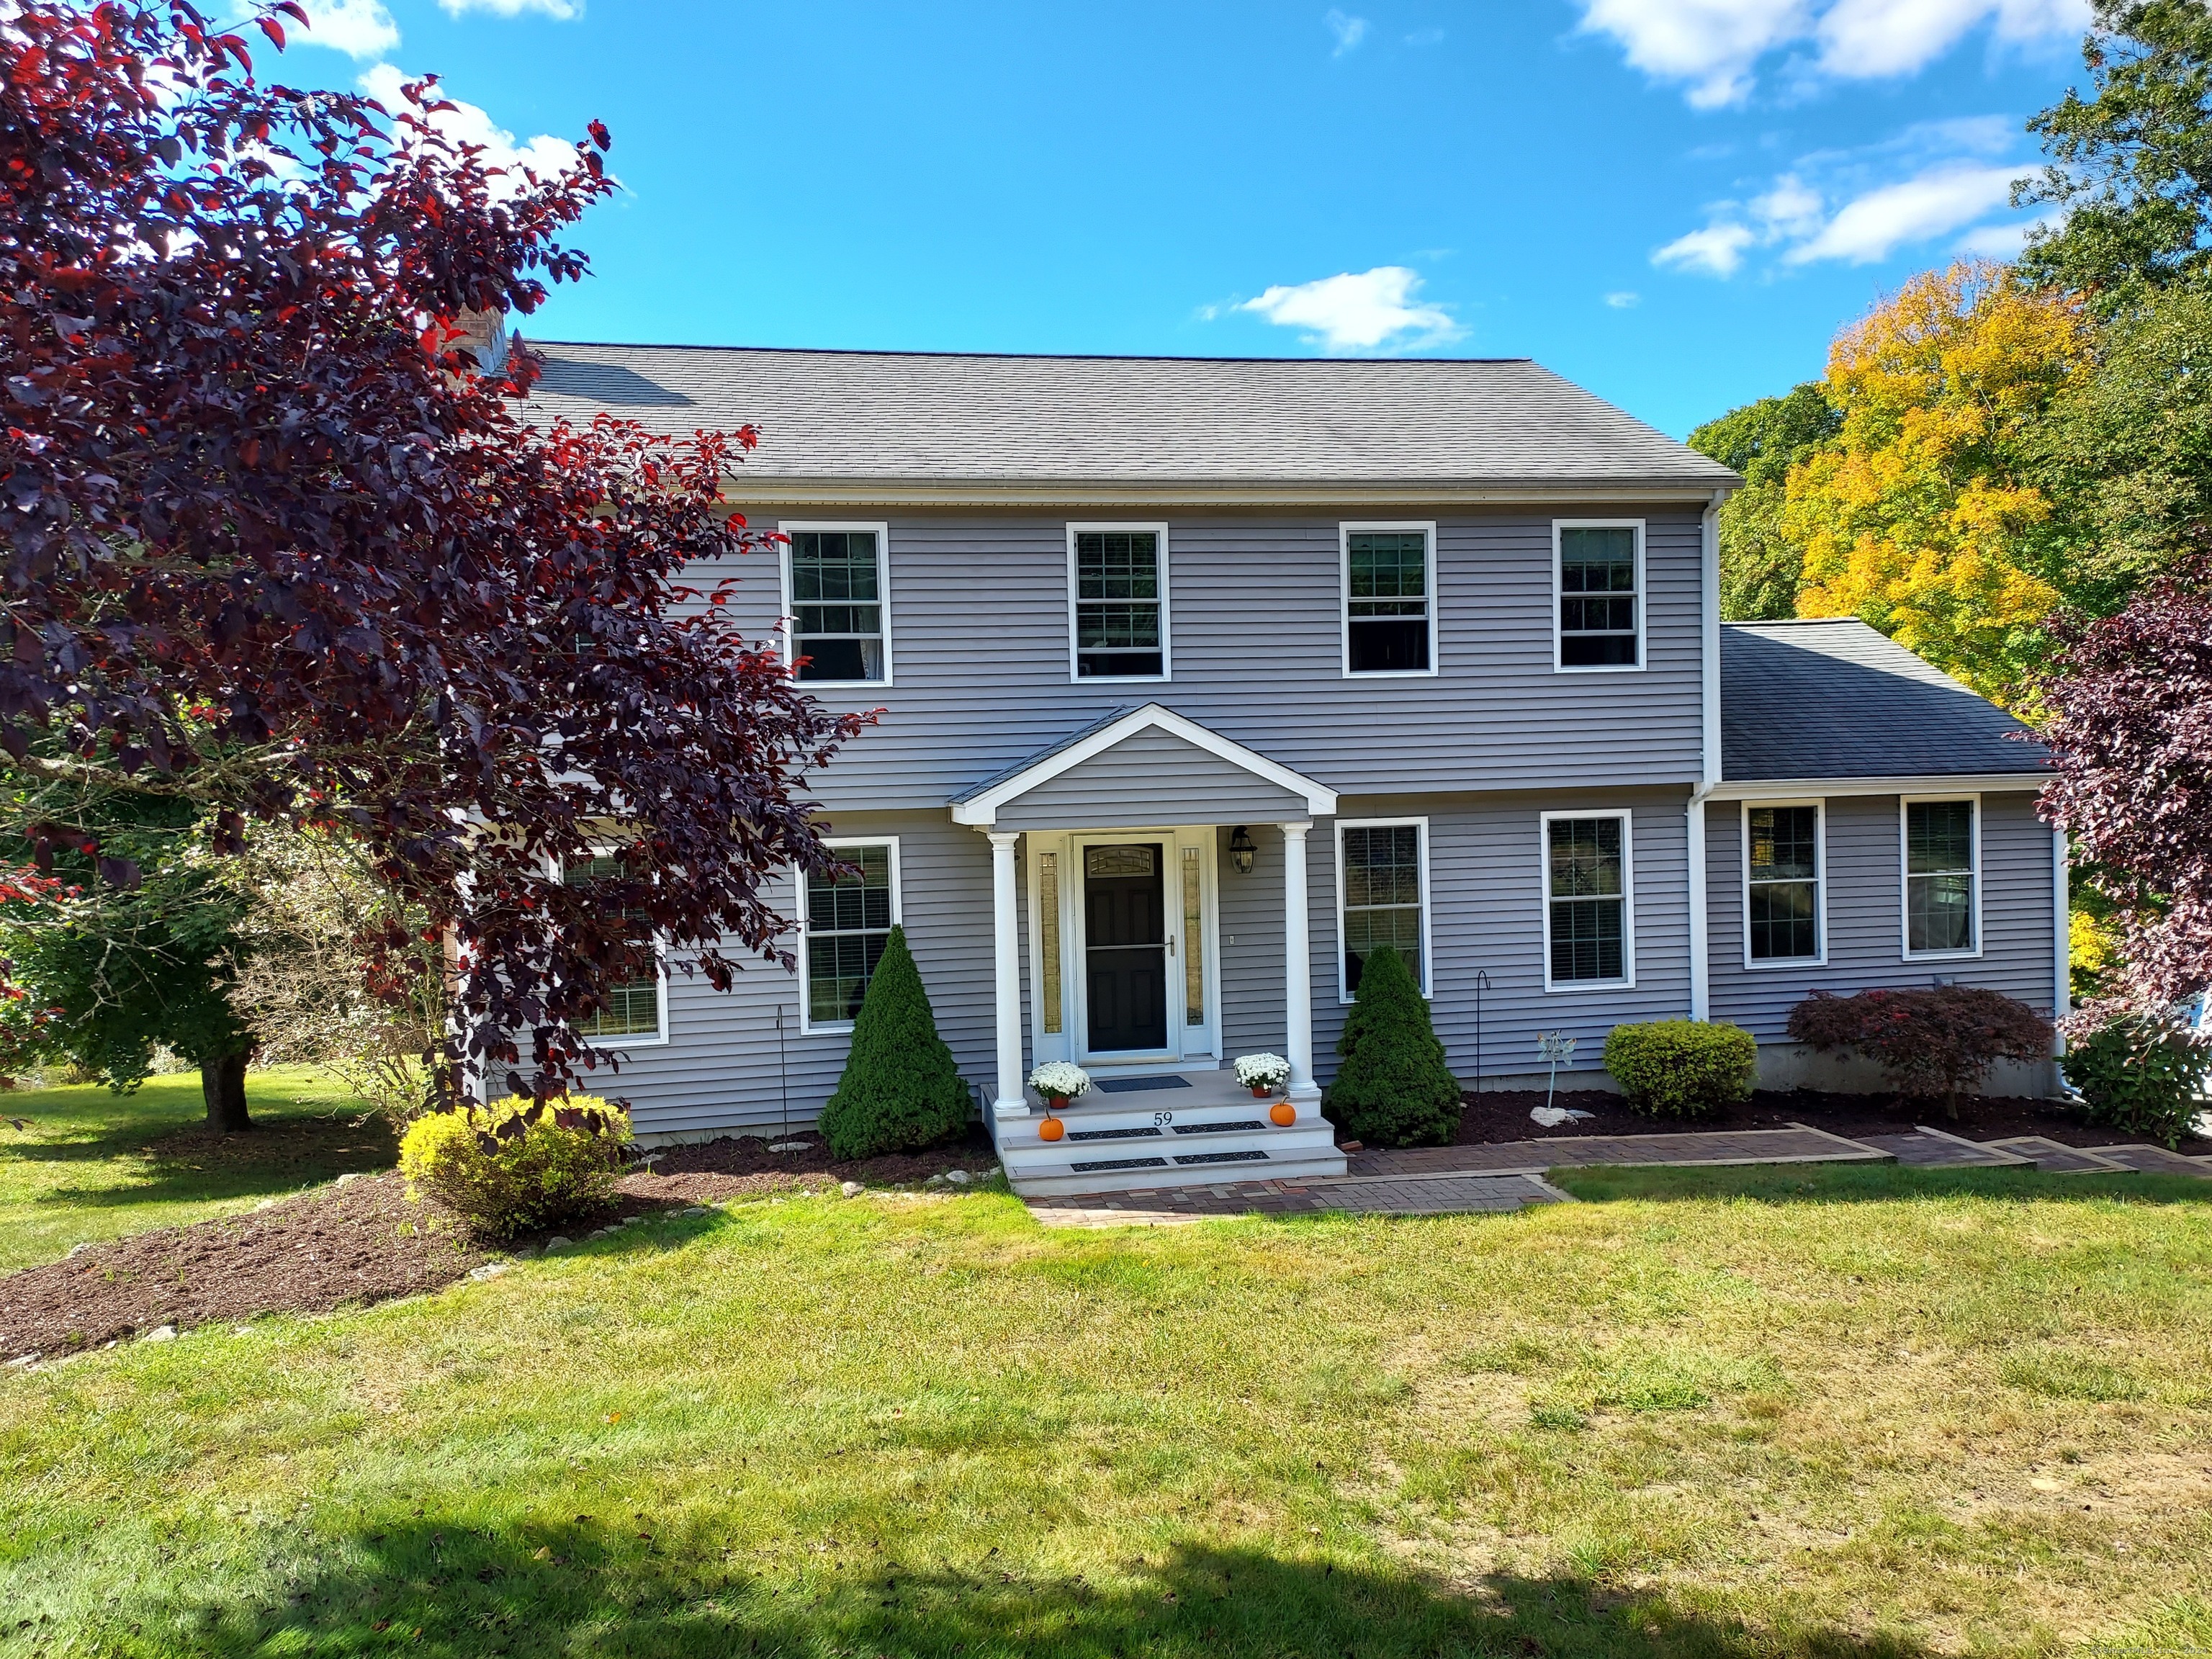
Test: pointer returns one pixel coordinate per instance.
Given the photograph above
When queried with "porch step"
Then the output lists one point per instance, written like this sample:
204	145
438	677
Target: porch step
1117	1160
1282	1165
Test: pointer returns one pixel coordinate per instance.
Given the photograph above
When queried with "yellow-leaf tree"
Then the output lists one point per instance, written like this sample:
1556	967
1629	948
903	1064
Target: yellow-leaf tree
1916	515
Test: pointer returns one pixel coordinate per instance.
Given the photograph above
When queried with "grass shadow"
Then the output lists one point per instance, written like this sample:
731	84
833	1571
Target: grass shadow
281	1154
647	1589
1868	1183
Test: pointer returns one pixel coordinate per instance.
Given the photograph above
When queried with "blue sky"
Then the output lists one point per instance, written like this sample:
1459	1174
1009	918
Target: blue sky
1672	202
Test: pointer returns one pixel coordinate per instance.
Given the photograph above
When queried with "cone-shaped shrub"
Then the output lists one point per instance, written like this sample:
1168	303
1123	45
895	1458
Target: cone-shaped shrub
1394	1088
901	1090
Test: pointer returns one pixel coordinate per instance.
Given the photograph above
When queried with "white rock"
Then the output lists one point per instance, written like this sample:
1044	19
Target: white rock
935	1181
268	1204
25	1359
790	1146
1571	1112
1550	1116
597	1232
160	1334
79	1249
352	1174
242	1330
557	1242
490	1270
851	1189
693	1209
958	1177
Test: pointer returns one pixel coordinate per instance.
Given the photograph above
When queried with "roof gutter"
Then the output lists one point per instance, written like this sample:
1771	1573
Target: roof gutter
755	489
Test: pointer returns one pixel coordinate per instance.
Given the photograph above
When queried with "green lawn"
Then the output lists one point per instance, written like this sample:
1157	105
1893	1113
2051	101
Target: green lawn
1817	1413
94	1165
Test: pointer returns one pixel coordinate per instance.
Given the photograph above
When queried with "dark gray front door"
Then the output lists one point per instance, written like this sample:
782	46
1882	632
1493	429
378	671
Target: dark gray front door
1125	945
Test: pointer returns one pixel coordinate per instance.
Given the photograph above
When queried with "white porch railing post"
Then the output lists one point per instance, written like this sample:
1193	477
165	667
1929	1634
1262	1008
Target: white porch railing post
1006	940
1297	965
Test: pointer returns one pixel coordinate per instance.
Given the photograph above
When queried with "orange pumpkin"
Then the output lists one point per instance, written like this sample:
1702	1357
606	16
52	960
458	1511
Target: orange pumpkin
1284	1113
1051	1130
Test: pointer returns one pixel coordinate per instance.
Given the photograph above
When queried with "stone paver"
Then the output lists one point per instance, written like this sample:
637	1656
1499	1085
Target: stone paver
1932	1149
1798	1145
2055	1158
2156	1160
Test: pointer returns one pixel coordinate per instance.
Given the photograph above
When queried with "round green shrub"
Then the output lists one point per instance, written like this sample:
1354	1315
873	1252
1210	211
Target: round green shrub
515	1166
2141	1077
901	1090
1682	1067
1394	1088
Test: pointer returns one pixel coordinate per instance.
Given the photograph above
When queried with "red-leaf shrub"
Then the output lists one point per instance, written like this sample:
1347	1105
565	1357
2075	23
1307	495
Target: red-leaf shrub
276	546
1930	1044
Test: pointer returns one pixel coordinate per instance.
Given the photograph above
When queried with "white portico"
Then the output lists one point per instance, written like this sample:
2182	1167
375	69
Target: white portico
1122	838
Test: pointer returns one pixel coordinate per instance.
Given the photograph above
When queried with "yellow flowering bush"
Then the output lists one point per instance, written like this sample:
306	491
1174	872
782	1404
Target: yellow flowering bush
514	1166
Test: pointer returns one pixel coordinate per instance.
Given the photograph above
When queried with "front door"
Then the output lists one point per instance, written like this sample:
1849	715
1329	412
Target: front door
1125	945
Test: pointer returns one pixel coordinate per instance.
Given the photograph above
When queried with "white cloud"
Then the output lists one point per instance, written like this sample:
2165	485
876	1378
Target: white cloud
466	123
1715	46
566	10
1359	311
1998	241
1938	201
1624	301
1716	251
359	28
1349	31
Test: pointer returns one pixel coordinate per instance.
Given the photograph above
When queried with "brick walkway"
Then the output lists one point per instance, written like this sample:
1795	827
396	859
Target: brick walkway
1799	1144
1161	1206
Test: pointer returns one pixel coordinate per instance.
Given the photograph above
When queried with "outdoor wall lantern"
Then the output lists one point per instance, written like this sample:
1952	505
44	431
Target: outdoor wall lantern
1241	850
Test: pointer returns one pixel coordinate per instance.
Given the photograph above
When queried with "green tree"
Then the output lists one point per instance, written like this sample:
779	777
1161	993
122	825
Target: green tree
2131	166
1760	567
900	1089
113	969
1394	1088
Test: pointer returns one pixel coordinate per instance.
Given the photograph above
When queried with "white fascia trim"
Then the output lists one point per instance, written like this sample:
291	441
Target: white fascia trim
1643	596
1820	959
1543	821
1080	494
1904	805
835	1027
1167	654
1345	532
1709	635
982	811
1428	977
1928	789
785	628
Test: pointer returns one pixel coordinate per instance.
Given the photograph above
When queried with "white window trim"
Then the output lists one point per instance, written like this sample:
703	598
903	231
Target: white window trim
1905	882
835	1027
1819	959
1428	934
787	629
628	1040
1544	822
1167	654
1643	595
1345	532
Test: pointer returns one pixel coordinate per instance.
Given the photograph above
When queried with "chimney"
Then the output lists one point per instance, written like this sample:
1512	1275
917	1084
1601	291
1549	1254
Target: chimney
484	333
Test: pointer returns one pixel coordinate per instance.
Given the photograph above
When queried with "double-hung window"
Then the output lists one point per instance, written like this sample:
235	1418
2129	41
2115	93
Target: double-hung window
1942	903
1389	598
1382	891
848	920
1600	601
1589	922
840	613
1782	883
1118	578
632	1007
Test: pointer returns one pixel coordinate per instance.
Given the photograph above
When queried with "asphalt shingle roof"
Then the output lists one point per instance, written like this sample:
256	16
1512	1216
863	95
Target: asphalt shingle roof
935	416
1835	699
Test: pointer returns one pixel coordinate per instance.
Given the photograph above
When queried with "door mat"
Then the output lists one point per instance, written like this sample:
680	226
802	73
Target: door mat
1130	1085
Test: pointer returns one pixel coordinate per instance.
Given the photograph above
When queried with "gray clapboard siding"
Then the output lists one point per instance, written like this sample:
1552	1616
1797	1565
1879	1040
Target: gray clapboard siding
1866	949
1150	778
1251	929
980	646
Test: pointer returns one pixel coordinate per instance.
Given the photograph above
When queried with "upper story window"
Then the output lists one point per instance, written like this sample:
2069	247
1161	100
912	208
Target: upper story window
1389	598
1600	597
1942	903
839	609
1588	924
1782	883
632	1007
1382	896
1118	582
847	920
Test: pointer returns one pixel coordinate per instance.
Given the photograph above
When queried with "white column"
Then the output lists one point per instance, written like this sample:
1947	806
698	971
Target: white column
1006	940
1298	964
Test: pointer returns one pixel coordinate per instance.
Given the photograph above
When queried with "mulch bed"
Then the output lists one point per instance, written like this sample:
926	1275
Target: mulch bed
1495	1115
366	1241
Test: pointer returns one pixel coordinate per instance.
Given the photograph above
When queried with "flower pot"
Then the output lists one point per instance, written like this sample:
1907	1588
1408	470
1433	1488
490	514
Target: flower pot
1284	1113
1057	1103
1051	1130
1261	1091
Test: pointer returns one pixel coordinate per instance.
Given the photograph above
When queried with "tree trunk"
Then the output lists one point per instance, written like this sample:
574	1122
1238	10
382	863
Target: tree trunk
222	1082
